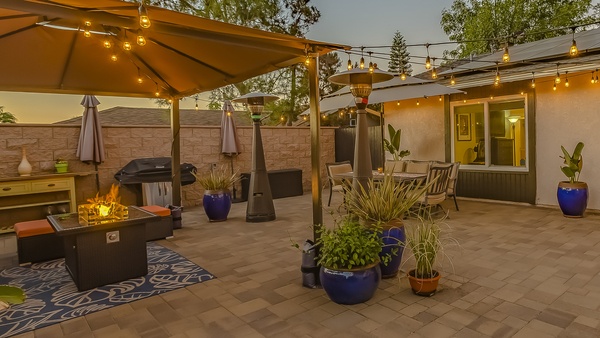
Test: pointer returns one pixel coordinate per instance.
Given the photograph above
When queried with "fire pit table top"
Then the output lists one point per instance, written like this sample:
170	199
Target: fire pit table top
65	224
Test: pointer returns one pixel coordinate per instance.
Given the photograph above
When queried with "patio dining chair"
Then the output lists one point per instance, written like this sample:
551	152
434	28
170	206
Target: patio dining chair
437	182
337	184
452	181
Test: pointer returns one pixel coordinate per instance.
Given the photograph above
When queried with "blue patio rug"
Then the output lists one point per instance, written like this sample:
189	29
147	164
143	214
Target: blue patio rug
52	297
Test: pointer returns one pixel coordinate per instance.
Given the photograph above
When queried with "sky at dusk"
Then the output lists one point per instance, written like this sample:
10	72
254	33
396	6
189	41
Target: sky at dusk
351	22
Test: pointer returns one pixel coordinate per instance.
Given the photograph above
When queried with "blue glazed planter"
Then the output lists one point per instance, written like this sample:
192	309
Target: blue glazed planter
217	204
572	198
351	286
394	238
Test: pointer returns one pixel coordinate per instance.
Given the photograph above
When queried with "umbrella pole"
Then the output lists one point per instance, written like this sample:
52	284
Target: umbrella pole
234	190
97	177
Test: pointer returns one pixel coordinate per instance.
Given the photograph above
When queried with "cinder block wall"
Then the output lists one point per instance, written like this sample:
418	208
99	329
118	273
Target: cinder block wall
284	147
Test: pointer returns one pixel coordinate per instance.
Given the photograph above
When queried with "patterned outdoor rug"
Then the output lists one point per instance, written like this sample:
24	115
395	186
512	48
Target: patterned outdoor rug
52	297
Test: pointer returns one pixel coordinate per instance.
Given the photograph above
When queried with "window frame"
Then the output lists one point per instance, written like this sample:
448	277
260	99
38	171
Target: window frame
487	166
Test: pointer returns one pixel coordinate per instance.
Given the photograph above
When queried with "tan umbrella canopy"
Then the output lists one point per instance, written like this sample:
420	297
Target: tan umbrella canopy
183	54
45	49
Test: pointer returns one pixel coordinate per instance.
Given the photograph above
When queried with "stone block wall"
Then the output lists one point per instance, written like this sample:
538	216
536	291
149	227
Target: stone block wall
284	147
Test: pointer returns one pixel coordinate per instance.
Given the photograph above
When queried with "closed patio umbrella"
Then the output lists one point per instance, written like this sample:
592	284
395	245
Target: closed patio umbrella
91	145
230	144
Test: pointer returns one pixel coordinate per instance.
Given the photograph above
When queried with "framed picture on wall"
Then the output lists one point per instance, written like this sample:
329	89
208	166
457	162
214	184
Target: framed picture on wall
463	127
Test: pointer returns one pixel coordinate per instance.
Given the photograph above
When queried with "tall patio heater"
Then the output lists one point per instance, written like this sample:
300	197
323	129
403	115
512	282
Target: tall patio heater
361	82
260	201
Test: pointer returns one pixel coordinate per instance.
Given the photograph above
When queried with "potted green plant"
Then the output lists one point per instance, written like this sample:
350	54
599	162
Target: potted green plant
217	196
424	240
61	165
10	295
349	260
572	195
392	145
384	204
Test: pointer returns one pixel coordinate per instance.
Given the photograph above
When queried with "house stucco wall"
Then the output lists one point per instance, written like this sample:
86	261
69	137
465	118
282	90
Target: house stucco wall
422	127
565	117
284	147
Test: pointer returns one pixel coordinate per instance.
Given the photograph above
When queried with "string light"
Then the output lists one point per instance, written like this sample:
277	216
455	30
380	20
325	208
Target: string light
114	57
557	78
440	98
566	79
86	31
127	45
141	40
497	78
349	61
452	80
107	43
434	72
140	80
418	102
144	18
554	88
427	59
573	50
403	74
370	63
362	59
157	92
505	56
398	103
307	60
196	100
593	77
532	79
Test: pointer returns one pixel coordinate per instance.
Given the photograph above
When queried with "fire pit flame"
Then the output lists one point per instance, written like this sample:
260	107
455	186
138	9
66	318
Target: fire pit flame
103	209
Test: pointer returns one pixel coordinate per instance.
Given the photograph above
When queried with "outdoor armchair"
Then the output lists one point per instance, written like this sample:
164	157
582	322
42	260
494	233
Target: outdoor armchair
337	184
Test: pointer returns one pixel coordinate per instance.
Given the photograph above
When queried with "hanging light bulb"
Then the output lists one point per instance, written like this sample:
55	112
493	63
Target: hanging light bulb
157	92
427	59
114	57
144	18
371	68
141	40
573	50
398	103
418	102
140	80
532	79
362	63
557	78
433	73
554	88
505	56
497	78
307	60
349	62
127	45
107	44
196	100
440	98
566	79
86	30
593	77
452	80
403	74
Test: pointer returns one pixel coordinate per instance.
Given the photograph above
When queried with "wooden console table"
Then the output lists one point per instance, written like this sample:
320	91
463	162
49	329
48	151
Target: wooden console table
25	198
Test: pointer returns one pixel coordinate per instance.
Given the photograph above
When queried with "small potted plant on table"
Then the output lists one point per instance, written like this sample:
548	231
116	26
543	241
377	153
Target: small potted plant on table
572	194
349	260
217	196
61	165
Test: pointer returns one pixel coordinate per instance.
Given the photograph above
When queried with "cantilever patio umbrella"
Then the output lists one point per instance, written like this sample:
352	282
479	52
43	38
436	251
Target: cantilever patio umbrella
230	144
91	46
91	145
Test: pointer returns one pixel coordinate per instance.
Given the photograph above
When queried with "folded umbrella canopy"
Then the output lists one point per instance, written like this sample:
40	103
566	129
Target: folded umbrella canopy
230	144
91	144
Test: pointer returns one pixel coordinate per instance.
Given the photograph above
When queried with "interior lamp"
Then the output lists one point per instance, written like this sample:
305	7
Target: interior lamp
513	119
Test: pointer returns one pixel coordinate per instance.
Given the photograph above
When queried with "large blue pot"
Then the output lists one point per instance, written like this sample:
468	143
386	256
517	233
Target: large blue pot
351	286
394	238
572	198
217	204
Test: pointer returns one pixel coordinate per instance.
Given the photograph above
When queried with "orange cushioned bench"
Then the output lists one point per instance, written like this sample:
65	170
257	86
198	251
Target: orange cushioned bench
37	242
163	228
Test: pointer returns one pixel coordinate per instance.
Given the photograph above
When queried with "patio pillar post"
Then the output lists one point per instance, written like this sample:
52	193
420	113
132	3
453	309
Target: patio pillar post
315	143
175	152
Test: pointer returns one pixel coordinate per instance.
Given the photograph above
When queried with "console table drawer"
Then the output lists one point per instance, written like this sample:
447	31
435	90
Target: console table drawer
50	185
14	188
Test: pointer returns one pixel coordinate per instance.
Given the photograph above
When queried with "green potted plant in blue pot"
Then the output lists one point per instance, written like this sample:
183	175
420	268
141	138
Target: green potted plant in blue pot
349	260
217	196
573	194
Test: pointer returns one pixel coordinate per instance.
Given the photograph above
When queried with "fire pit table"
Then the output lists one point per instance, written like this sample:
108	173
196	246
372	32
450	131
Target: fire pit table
106	253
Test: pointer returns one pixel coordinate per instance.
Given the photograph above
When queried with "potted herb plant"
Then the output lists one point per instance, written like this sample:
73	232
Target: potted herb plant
385	203
572	195
217	196
349	260
424	240
61	165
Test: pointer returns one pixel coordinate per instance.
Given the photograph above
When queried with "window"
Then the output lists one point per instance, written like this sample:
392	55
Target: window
490	133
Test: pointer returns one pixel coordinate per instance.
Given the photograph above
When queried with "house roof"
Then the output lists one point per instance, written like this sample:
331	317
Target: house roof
128	116
537	59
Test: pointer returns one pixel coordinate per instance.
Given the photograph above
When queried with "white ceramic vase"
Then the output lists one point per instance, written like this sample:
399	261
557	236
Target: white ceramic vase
24	168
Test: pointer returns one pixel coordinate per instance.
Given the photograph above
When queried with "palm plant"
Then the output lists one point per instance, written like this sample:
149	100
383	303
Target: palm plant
574	163
393	144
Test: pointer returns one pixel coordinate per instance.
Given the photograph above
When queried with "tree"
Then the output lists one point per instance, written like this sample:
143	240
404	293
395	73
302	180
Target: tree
6	117
399	56
484	26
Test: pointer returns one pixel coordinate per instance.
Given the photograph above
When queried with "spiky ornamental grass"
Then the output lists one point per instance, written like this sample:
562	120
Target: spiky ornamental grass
217	179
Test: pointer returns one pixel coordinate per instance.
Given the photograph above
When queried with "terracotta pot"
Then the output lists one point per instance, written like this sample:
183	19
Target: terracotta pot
424	286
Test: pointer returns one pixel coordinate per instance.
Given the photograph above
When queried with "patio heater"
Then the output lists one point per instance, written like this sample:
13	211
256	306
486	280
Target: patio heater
361	82
260	201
